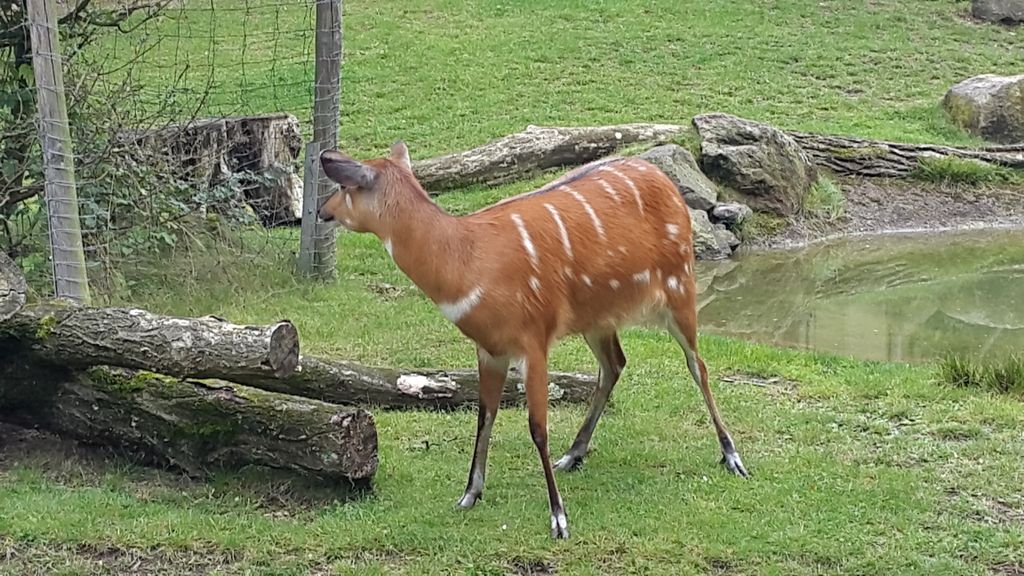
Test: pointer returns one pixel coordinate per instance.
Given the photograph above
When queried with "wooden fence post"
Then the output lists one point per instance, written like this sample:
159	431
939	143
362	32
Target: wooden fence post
325	122
69	275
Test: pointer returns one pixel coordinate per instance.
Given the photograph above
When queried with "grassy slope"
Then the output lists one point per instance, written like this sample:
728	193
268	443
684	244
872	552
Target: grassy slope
859	467
447	75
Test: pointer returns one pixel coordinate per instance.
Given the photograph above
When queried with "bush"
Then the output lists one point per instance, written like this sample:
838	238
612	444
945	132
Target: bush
1003	376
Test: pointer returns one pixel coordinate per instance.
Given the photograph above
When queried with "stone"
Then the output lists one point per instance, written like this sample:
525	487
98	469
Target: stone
726	237
989	106
708	243
731	214
681	167
1001	11
766	168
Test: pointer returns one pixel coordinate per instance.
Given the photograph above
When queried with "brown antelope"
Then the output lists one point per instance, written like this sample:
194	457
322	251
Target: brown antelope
604	246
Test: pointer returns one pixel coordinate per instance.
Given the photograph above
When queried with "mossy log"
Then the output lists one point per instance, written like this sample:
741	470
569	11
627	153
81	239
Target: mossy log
12	288
205	347
533	150
341	382
876	158
197	427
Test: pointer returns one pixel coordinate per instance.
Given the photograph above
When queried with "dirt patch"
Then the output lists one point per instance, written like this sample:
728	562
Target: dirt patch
524	567
874	206
33	558
1008	569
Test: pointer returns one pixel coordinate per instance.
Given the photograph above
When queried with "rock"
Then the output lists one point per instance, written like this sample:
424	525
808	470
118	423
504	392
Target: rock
989	106
763	165
731	214
1002	11
699	192
708	243
724	236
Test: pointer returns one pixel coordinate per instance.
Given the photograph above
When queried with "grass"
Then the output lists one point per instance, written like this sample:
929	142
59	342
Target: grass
1005	375
447	75
824	201
858	467
965	171
760	225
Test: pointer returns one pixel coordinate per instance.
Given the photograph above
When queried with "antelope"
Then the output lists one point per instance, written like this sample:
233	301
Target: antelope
605	246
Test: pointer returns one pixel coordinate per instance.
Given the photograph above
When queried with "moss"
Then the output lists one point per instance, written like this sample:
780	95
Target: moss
127	382
760	225
46	326
860	152
961	113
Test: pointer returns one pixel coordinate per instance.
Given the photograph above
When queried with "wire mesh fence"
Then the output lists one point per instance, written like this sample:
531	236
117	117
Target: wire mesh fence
187	123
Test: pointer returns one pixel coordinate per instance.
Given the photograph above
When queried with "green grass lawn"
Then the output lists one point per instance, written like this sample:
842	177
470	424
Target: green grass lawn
859	468
447	75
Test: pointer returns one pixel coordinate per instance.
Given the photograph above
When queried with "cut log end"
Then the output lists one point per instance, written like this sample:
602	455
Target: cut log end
283	350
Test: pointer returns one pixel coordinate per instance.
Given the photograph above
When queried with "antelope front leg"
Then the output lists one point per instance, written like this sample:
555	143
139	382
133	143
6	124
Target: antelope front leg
493	373
537	405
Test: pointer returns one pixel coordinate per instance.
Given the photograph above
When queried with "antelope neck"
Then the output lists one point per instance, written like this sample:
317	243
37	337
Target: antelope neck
429	246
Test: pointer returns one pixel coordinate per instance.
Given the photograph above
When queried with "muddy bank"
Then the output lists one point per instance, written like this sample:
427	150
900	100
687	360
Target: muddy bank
875	206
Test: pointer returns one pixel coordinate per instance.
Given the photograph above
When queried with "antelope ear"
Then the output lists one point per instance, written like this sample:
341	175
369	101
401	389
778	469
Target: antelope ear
346	171
400	152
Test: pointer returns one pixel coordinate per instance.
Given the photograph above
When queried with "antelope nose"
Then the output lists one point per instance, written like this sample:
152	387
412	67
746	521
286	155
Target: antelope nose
325	216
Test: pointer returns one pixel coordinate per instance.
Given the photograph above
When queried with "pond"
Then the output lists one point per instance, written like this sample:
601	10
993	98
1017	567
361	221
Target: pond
906	297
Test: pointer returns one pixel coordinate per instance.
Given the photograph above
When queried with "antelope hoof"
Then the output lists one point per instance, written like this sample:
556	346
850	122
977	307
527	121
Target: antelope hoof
733	464
559	526
468	500
569	462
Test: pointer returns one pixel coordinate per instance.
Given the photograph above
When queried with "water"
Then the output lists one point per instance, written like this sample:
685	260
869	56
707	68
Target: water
904	298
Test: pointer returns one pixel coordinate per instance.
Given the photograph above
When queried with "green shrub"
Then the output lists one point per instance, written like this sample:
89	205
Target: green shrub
824	201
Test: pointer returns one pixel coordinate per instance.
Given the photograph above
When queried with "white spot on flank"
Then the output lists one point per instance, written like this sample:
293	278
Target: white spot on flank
589	209
686	269
535	284
561	229
525	236
642	277
623	250
389	247
611	191
632	187
672	283
614	284
455	311
568	272
640	166
348	200
673	230
586	280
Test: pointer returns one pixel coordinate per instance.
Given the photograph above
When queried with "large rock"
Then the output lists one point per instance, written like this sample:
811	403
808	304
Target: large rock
699	192
989	106
1003	11
764	166
708	243
731	214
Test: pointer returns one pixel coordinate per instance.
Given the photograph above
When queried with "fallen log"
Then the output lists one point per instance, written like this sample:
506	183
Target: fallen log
849	156
341	382
205	347
12	287
533	150
197	427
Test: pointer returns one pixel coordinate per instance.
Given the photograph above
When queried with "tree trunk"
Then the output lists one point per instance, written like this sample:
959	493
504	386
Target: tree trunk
183	347
12	287
340	382
875	158
535	149
194	426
